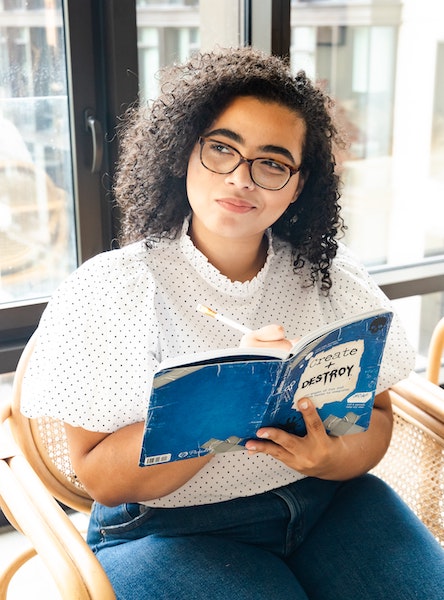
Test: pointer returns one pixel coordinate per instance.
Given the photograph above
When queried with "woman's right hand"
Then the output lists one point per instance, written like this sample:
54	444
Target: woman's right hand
270	336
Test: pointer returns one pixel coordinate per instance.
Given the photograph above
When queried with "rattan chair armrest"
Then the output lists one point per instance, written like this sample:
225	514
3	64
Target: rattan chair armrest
435	352
423	394
418	417
36	529
8	449
11	569
71	563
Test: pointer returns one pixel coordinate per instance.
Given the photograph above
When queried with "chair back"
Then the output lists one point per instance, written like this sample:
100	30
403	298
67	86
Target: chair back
44	445
34	471
414	463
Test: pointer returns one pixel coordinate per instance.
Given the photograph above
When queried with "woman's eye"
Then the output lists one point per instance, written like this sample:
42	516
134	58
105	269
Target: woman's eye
272	165
221	148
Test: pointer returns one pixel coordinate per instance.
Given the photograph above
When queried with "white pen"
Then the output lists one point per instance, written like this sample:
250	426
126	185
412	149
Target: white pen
206	310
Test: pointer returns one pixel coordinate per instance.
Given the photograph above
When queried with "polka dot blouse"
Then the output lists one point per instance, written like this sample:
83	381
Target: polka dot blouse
116	317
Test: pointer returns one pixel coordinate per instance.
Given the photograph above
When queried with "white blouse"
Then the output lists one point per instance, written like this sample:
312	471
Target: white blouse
118	315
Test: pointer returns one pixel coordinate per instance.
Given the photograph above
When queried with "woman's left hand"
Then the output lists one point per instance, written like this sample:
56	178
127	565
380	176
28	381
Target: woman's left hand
318	454
311	455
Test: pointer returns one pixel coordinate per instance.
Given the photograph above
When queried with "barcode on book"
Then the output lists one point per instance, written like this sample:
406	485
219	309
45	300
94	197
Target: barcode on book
155	460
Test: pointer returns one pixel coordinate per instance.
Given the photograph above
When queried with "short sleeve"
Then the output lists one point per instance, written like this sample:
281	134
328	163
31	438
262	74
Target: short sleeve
355	291
96	346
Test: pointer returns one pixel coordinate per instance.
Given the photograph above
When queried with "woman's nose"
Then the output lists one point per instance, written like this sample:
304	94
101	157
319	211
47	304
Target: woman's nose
241	176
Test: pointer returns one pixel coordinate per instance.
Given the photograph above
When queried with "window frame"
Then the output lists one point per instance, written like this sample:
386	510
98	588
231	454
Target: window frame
106	86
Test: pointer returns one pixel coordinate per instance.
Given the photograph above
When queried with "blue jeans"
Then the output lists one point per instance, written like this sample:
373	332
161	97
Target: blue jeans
313	539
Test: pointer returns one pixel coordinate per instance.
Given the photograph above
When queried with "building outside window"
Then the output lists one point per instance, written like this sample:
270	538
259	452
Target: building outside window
384	65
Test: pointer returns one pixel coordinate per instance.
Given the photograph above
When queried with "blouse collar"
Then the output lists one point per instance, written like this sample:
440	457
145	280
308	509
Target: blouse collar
213	276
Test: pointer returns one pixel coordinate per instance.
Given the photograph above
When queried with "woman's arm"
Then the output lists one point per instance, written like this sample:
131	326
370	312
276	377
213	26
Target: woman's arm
326	457
107	465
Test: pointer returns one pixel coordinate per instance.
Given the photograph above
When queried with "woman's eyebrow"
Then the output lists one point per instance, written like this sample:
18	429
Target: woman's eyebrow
229	133
278	150
232	135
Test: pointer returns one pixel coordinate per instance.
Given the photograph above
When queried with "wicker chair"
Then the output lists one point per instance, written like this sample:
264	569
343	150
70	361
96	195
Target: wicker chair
35	468
414	462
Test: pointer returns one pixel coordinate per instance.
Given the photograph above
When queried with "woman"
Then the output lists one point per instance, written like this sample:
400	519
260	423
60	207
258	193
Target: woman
229	197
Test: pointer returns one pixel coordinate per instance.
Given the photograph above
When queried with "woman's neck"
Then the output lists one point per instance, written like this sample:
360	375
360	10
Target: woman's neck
239	260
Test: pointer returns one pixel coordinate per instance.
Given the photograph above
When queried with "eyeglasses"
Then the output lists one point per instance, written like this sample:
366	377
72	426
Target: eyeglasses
267	173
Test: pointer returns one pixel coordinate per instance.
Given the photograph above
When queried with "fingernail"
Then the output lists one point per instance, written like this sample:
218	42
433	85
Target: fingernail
263	435
303	404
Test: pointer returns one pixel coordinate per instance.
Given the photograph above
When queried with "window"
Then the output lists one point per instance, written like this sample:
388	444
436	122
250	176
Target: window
172	31
55	98
69	69
383	63
37	233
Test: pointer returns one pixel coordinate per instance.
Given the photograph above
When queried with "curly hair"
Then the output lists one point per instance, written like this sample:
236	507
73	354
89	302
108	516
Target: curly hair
157	141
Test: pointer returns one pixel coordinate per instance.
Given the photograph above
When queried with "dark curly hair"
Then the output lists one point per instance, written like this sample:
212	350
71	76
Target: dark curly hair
157	141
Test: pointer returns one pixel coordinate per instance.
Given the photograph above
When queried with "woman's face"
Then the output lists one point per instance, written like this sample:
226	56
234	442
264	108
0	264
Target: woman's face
232	205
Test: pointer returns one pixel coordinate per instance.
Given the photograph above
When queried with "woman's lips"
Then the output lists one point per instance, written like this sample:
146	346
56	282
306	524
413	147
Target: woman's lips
235	205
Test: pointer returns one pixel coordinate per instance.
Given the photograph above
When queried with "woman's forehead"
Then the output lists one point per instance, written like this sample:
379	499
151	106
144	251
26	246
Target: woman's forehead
253	121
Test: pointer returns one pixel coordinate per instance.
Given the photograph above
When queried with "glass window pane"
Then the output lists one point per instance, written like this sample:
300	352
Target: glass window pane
171	30
384	66
37	241
148	57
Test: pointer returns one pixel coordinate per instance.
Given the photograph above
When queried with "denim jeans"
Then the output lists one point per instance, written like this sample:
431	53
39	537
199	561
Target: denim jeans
313	539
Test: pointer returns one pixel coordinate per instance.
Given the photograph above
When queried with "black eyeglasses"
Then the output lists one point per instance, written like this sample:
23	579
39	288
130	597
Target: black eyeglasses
266	173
